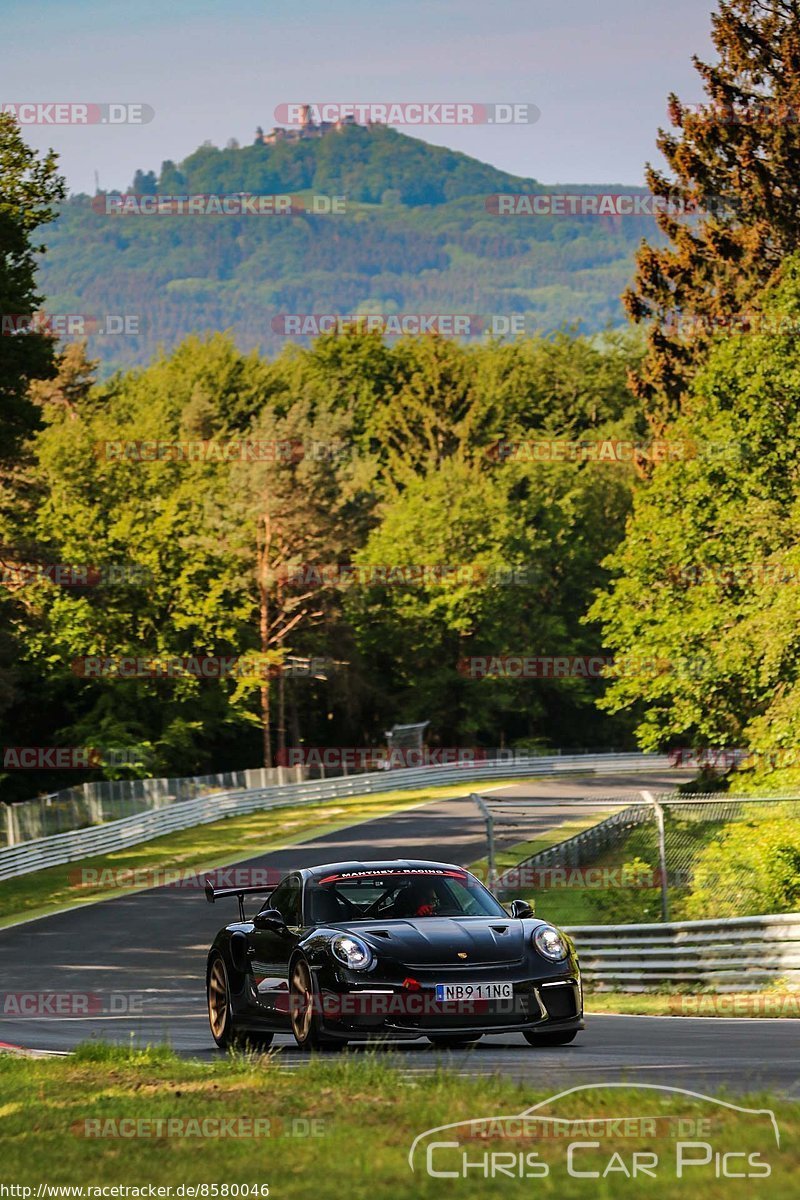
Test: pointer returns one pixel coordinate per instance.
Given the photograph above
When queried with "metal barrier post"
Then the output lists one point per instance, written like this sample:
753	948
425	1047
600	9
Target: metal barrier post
490	860
11	835
662	853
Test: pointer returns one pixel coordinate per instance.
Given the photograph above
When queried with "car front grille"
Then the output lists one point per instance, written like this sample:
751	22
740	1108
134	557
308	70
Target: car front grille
522	1009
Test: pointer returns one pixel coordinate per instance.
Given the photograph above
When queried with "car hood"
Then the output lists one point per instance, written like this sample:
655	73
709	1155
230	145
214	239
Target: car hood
446	940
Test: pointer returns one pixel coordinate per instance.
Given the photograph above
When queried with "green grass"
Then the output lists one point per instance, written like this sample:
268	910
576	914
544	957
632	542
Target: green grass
562	906
575	903
510	856
696	1004
364	1115
201	848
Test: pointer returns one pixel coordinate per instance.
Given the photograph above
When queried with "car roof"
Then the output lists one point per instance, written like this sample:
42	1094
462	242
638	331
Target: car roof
377	865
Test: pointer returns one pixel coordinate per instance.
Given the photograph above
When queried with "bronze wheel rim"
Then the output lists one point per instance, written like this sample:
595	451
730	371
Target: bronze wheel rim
301	1002
218	998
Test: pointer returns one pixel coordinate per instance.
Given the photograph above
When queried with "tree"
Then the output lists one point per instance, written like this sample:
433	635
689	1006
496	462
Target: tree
702	594
751	867
144	183
469	562
237	555
205	533
444	399
170	179
165	585
29	187
736	162
69	388
288	516
429	411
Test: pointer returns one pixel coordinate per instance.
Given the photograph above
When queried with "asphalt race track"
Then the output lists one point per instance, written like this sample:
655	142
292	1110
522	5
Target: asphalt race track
148	951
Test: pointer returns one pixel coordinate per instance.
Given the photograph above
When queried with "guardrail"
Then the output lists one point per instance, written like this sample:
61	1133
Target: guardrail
733	954
581	847
113	799
118	835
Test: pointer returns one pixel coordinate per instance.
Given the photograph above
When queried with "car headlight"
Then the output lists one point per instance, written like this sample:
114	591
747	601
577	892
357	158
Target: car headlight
549	942
352	952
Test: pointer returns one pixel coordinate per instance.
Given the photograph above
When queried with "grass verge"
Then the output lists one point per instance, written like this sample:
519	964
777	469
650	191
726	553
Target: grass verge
562	906
696	1004
344	1127
200	848
510	856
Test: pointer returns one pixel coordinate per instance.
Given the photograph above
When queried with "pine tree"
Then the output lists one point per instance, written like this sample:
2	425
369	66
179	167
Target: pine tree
735	161
29	186
72	383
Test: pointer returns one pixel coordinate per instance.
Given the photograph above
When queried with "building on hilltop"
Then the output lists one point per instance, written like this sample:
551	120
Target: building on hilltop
308	129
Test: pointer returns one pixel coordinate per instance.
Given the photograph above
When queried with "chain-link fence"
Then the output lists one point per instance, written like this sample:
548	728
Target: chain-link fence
664	857
112	799
104	800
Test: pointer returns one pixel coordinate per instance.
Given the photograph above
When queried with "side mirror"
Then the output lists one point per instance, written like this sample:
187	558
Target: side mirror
270	918
521	908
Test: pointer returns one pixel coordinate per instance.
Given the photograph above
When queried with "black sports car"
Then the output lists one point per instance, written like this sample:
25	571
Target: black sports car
400	949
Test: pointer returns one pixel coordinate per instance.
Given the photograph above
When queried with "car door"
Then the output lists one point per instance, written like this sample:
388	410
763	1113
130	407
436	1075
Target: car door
271	945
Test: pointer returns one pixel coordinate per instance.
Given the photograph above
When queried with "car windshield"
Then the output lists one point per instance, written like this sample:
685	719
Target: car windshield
388	894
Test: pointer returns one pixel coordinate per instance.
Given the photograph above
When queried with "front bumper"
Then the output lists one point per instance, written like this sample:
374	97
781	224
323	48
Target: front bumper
374	1009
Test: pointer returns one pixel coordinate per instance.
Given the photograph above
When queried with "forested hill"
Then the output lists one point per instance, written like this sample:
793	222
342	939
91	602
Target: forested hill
362	164
416	237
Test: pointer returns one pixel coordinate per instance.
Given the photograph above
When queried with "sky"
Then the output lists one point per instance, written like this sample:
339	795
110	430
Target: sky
599	73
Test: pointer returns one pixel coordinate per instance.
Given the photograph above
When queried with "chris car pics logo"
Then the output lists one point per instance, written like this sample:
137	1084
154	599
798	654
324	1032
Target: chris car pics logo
688	1136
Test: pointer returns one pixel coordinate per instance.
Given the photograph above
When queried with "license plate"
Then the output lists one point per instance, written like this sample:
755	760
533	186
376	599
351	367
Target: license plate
474	991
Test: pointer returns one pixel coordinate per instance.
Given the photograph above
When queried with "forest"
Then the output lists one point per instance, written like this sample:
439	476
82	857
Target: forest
220	553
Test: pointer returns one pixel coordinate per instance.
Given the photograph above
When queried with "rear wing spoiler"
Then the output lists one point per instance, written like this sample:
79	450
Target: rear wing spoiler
213	894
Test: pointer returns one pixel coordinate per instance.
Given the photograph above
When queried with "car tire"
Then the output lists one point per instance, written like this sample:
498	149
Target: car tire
218	996
305	1021
551	1039
453	1041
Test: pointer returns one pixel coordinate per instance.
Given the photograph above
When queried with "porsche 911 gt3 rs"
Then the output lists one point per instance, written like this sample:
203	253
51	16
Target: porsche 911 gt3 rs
392	950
